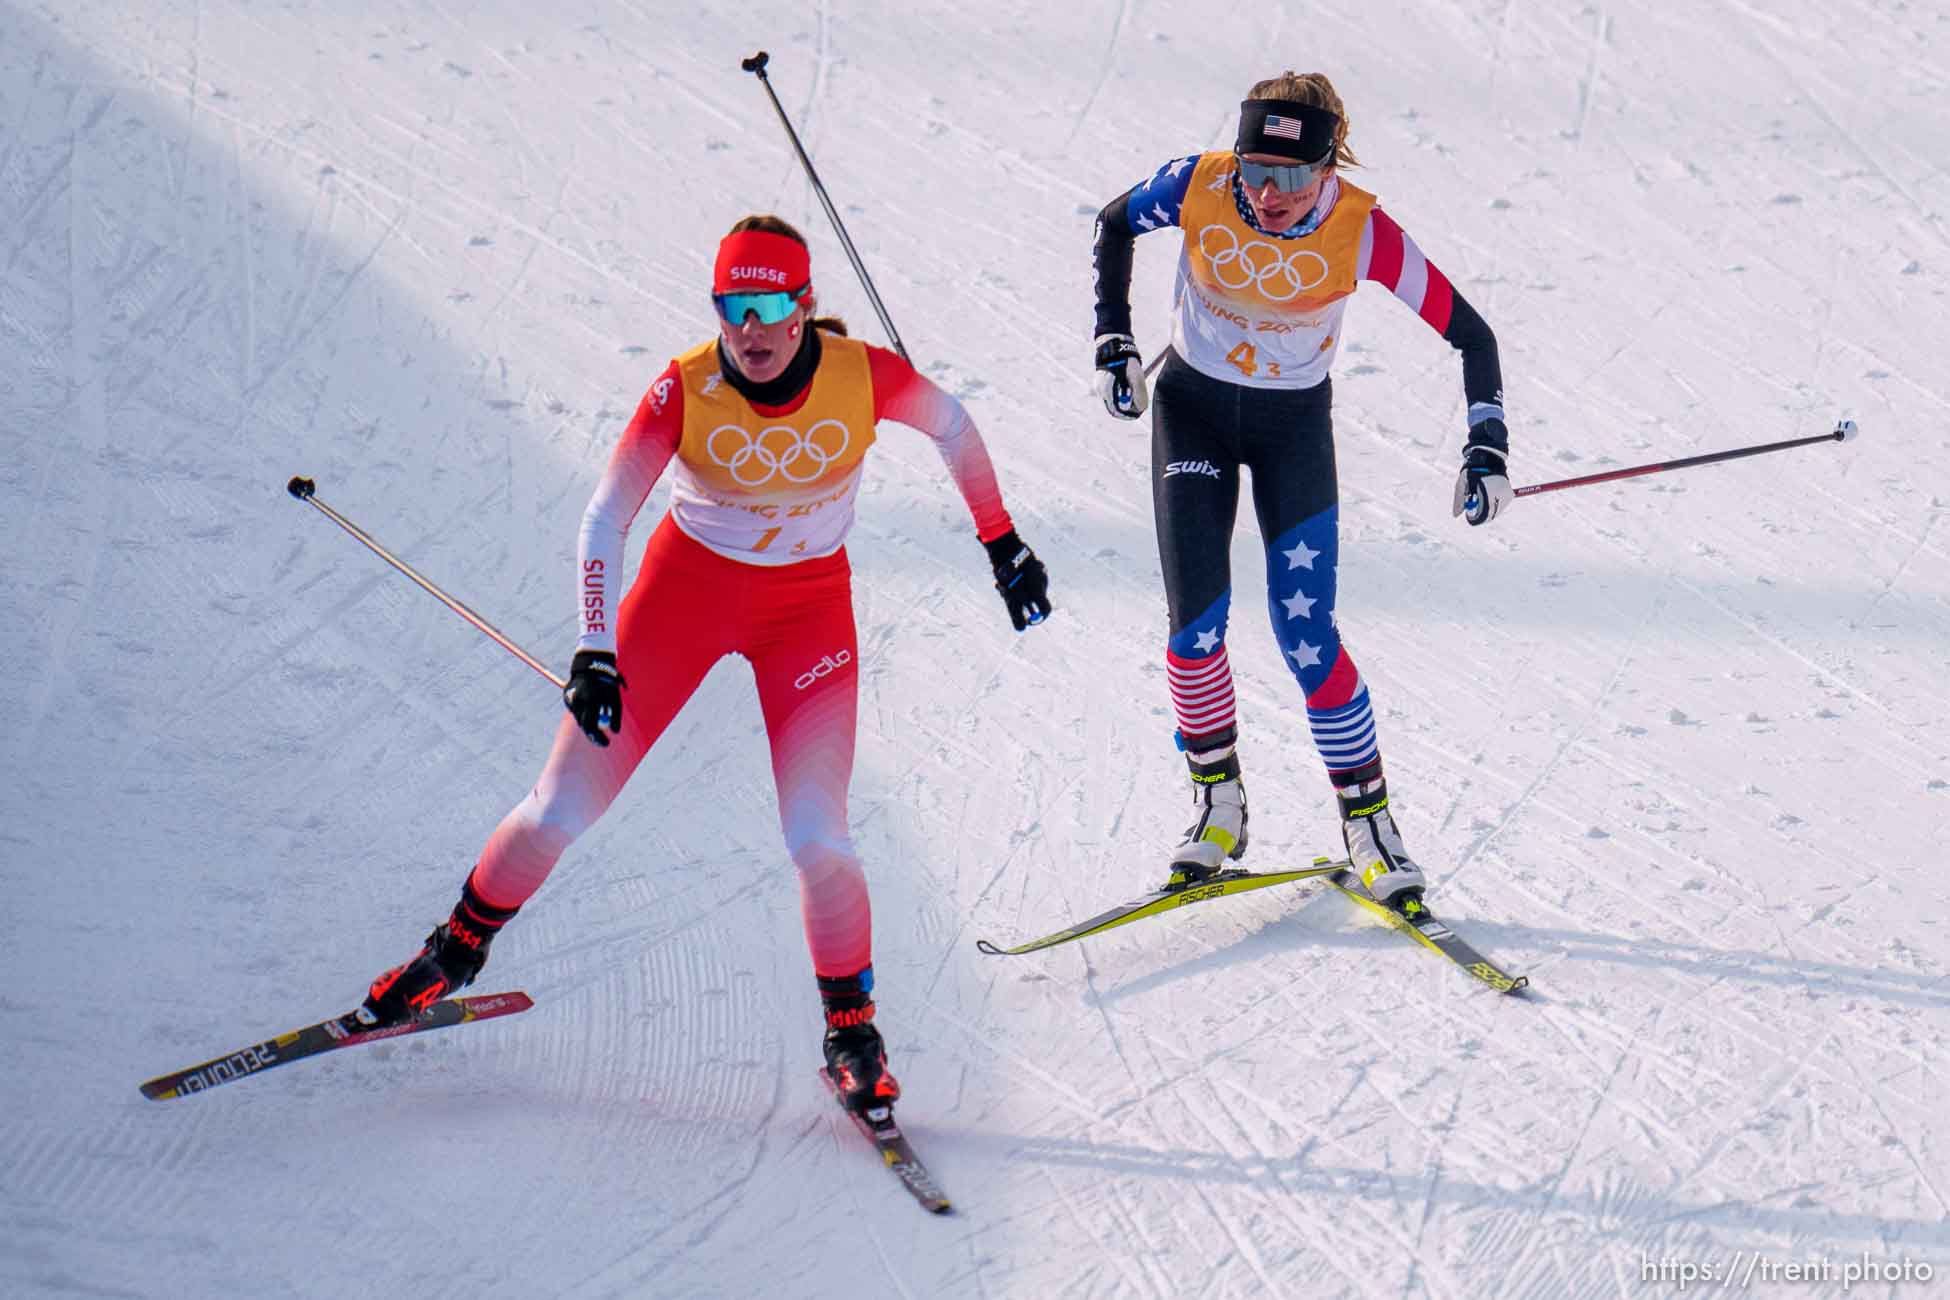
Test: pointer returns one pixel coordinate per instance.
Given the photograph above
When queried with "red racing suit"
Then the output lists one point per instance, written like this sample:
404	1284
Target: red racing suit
748	561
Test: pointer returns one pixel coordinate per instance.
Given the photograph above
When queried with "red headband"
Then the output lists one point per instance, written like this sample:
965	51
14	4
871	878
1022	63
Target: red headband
751	260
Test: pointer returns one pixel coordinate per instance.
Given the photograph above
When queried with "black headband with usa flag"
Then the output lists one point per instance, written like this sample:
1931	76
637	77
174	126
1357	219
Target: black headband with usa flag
1287	130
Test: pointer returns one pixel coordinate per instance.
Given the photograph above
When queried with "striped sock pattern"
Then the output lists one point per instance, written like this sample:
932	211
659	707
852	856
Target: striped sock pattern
1345	736
1201	693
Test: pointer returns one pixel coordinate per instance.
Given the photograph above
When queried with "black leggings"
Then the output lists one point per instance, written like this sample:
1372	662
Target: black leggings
1204	431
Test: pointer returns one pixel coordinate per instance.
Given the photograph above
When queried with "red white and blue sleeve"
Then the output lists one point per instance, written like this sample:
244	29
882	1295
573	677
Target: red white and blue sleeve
903	394
647	445
1149	205
1391	259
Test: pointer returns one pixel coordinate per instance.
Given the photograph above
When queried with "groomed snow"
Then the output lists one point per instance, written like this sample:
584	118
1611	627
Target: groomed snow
1676	747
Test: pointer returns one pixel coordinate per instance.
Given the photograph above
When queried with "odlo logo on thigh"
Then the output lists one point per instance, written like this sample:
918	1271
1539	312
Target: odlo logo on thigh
826	664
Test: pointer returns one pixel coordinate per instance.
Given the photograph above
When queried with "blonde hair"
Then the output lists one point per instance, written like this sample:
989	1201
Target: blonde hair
772	225
1314	90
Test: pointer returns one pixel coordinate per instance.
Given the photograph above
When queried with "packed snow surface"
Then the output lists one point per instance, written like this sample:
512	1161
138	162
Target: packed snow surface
1674	746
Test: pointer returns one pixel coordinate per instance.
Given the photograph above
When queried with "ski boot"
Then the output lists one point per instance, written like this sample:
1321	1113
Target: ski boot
1220	831
453	956
1374	846
856	1058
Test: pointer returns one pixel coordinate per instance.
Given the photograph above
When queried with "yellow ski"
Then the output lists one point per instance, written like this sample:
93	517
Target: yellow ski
1431	933
1222	885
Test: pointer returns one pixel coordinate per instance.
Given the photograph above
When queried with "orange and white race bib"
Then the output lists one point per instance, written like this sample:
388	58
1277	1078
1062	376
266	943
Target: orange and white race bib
772	489
1257	309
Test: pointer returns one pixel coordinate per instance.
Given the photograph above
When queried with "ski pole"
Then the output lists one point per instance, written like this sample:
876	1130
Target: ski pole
1159	360
305	490
756	64
1844	431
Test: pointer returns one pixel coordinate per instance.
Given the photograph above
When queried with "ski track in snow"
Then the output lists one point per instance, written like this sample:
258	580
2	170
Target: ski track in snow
1672	746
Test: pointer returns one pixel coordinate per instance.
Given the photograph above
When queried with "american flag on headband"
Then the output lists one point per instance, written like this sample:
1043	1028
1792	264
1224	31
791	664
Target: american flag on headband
1287	128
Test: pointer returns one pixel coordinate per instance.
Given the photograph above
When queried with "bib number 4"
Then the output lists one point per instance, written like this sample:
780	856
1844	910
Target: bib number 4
1245	359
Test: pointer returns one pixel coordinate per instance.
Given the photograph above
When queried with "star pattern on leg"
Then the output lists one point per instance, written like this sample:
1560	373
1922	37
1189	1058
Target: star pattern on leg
1299	605
1206	640
1307	656
1302	556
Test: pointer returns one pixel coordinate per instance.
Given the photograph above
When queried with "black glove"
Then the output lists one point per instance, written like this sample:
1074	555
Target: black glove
595	694
1120	376
1483	485
1021	578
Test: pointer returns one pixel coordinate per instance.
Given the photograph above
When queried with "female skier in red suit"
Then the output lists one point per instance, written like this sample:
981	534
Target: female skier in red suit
765	430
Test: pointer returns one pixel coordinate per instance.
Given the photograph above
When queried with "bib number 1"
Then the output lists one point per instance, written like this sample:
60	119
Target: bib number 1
766	538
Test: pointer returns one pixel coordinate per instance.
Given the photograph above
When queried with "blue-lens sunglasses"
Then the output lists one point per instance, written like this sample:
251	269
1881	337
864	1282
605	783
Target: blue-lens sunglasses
770	306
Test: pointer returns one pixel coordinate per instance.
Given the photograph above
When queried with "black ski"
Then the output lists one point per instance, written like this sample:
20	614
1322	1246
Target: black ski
1164	900
877	1123
1426	929
327	1036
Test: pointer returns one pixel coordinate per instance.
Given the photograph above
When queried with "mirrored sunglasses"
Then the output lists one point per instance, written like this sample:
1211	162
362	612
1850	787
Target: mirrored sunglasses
770	306
1289	178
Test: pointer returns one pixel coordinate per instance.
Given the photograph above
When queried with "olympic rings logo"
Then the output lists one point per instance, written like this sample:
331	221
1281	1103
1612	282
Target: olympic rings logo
777	451
1277	278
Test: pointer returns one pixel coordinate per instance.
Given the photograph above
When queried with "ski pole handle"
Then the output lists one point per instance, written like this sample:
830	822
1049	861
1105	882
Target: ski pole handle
756	65
1844	431
306	490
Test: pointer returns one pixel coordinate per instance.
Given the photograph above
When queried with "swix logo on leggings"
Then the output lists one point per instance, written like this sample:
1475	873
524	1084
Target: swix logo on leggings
826	664
1201	467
